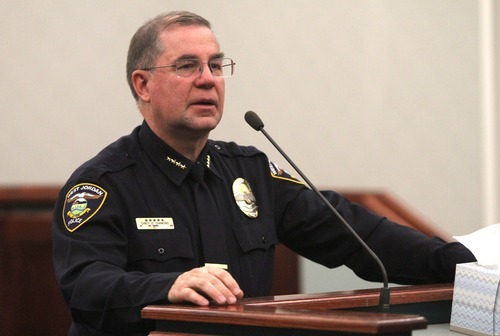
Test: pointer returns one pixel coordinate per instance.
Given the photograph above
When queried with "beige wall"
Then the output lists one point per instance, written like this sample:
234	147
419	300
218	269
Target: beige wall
362	94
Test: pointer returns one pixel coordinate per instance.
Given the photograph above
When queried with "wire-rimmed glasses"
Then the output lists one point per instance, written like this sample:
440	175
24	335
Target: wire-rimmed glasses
219	67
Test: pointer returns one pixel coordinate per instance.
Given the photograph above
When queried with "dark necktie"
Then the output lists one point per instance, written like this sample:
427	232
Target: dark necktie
210	224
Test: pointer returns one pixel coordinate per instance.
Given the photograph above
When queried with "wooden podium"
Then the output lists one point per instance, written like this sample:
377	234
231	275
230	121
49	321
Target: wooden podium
337	313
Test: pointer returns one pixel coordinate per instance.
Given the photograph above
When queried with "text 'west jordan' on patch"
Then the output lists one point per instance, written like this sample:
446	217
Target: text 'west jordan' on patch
82	202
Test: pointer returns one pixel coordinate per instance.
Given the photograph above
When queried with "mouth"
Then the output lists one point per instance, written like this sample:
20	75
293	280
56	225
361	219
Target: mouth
205	102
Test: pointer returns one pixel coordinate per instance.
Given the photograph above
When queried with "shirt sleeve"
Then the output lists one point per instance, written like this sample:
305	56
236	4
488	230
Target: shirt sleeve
90	262
310	228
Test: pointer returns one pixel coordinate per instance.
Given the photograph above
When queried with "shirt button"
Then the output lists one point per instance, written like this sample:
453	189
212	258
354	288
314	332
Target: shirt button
264	240
161	250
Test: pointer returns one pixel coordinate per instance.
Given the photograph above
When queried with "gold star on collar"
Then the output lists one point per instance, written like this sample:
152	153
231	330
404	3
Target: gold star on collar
208	161
176	163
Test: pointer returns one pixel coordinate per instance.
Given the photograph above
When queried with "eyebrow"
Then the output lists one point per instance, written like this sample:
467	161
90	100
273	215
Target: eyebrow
191	56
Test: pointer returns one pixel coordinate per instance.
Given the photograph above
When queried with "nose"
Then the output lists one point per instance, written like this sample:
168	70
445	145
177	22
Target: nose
205	76
202	68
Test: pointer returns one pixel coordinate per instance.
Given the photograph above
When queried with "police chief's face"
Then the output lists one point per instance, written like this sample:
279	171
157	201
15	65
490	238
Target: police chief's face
194	104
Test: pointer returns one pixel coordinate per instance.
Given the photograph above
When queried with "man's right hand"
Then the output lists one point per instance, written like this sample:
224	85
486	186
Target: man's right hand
201	283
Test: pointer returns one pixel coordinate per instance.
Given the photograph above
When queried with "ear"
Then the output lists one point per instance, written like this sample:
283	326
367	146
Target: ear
140	80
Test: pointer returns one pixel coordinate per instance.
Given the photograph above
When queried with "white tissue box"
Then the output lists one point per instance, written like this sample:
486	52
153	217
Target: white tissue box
476	300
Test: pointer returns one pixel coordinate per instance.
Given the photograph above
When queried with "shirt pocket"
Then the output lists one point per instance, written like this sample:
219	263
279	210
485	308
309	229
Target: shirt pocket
162	251
255	234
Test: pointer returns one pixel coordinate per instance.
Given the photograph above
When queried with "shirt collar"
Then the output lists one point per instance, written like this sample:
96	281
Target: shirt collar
172	163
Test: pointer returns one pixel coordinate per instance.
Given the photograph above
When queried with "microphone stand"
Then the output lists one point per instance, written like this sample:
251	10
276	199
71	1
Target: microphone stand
253	119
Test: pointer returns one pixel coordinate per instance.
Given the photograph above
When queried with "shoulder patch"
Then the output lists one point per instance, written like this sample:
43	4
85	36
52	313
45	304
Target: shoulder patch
281	174
82	202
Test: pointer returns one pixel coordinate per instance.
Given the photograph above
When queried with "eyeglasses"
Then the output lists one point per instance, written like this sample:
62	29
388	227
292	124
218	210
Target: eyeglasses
219	67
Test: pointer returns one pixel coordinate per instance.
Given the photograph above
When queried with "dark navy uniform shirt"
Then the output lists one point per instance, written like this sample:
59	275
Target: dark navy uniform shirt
133	218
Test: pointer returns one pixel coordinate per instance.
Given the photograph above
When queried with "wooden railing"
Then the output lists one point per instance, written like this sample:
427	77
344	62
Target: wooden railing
31	303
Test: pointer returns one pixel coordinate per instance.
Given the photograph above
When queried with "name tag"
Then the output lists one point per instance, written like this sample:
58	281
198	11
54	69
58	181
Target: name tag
164	223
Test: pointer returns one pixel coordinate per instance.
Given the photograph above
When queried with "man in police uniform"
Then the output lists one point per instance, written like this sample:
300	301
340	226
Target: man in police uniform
167	215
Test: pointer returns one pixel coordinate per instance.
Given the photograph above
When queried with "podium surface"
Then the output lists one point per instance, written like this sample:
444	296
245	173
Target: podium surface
336	313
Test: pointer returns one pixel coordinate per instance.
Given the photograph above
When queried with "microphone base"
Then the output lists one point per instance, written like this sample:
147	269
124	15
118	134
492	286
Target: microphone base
384	299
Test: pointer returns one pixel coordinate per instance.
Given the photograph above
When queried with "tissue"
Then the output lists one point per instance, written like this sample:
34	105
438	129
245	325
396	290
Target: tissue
485	245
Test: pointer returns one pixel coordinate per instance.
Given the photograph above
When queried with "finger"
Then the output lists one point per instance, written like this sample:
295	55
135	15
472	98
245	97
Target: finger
190	295
227	282
183	291
212	286
193	285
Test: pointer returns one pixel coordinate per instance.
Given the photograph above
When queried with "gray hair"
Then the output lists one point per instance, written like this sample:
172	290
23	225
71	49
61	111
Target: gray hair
146	45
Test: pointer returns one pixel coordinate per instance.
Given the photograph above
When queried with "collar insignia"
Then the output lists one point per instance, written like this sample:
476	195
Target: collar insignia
208	162
244	198
176	163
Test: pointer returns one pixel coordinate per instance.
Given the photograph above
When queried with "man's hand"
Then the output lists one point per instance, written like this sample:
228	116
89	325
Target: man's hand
199	283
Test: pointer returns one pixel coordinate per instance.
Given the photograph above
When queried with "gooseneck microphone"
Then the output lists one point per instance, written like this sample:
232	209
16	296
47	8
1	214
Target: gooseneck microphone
256	123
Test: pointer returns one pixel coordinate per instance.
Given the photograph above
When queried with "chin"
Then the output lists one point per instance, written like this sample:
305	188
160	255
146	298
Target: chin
209	122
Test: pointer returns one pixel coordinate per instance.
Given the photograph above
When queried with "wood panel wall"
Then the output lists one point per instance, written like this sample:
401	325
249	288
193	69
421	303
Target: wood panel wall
31	303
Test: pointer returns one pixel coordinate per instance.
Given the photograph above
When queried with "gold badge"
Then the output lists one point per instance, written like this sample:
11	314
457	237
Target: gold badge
244	198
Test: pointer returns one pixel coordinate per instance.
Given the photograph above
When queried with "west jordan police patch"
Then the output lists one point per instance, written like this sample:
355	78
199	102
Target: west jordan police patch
82	202
281	174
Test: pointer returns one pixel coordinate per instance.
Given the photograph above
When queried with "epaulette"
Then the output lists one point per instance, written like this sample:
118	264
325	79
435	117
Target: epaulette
115	157
232	149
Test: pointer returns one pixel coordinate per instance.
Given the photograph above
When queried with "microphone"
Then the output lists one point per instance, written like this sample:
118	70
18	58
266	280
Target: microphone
256	123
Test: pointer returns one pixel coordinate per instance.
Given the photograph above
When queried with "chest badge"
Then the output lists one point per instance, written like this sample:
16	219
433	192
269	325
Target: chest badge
244	198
